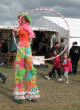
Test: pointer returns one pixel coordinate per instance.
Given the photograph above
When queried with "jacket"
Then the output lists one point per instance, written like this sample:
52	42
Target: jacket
56	63
67	65
74	54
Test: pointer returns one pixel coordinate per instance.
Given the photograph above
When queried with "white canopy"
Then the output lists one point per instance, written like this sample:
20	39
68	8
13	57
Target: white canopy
74	24
54	23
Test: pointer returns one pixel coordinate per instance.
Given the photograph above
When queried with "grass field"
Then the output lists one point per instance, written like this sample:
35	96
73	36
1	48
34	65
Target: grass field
54	95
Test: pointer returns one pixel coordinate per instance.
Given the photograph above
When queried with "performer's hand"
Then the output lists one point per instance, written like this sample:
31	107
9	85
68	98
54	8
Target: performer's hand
30	41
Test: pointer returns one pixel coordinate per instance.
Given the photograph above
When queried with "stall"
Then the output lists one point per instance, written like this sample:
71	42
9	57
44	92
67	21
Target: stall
41	45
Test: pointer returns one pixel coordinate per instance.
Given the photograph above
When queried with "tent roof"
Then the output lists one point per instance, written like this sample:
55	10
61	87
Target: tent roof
57	23
45	22
48	23
4	27
74	24
43	29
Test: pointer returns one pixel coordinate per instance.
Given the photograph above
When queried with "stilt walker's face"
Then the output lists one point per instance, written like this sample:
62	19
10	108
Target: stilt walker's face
23	20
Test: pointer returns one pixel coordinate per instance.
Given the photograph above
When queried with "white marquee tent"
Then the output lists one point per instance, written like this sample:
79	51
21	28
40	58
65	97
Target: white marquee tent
57	23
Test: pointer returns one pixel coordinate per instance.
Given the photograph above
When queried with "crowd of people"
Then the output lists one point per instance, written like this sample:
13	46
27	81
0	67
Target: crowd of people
66	63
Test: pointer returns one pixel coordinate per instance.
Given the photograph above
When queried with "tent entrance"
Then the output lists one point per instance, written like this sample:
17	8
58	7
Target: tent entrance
41	45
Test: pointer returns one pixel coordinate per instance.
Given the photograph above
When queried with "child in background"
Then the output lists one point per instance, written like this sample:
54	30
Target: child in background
67	67
56	67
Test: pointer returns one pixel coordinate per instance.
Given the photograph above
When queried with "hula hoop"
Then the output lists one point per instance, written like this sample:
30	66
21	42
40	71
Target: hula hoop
59	14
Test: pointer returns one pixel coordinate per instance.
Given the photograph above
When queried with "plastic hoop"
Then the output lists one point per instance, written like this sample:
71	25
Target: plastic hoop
59	14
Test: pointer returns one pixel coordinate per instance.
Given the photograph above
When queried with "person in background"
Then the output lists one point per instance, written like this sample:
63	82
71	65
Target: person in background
62	46
56	66
67	67
3	78
4	46
56	47
75	56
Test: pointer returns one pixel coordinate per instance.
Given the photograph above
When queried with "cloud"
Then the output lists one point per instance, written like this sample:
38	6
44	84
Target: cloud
62	3
10	9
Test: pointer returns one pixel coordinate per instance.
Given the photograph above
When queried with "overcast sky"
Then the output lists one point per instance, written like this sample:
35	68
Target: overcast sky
9	9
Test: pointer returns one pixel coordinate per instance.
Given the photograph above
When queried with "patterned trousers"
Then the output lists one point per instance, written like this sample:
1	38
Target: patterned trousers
23	68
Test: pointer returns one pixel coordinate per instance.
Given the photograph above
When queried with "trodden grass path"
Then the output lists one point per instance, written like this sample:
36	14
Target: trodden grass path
54	95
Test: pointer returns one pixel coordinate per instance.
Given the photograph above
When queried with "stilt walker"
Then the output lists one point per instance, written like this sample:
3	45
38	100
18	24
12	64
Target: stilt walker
23	66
